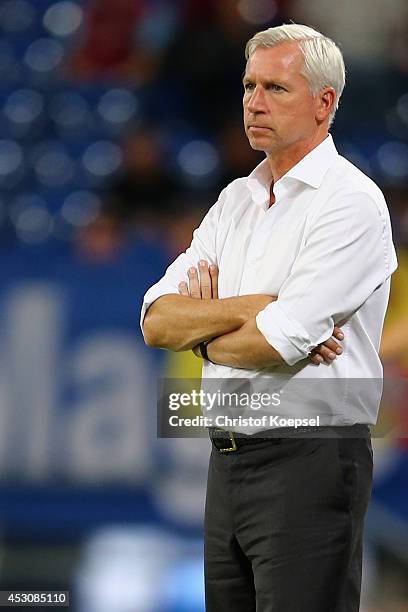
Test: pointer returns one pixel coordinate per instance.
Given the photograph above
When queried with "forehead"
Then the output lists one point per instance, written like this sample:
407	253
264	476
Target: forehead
283	61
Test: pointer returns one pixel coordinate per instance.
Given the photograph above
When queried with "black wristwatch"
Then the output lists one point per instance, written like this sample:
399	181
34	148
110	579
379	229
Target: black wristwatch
203	350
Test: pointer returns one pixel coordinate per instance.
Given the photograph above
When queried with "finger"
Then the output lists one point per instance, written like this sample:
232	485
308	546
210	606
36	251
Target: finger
214	281
205	280
333	346
316	359
326	353
337	333
193	282
183	289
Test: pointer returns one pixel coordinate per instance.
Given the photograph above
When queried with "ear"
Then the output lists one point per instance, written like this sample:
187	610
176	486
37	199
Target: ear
325	101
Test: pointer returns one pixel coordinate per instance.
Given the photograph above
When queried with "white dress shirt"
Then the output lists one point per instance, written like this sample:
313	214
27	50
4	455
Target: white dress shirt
325	249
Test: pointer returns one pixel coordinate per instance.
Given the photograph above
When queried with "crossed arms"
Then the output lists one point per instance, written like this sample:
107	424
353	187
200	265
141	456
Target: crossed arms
348	255
181	322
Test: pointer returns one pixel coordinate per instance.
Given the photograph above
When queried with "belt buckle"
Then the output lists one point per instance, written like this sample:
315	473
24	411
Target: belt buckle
233	446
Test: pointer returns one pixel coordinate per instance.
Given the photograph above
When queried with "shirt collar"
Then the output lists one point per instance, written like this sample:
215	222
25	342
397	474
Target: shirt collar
309	170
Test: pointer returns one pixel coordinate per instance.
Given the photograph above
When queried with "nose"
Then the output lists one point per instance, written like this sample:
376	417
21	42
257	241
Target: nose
257	100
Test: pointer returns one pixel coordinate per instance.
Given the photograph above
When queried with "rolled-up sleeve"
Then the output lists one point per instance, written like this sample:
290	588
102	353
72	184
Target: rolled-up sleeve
202	247
346	255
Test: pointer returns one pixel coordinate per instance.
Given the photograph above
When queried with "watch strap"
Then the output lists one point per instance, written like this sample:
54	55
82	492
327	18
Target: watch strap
203	350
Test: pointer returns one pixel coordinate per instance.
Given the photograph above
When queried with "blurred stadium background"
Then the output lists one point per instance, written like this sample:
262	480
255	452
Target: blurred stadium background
119	124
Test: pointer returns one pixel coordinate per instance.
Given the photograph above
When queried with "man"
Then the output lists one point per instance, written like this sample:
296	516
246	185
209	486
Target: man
284	515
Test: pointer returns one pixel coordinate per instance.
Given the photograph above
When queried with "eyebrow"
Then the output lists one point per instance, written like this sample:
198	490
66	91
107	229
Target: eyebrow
248	79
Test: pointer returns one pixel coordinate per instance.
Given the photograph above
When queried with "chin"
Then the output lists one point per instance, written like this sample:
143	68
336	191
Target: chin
259	144
258	147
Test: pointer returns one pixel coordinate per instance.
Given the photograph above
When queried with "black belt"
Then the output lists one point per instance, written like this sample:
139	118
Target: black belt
231	441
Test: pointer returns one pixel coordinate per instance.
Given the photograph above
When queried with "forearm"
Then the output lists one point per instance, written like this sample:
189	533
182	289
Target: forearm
244	348
178	323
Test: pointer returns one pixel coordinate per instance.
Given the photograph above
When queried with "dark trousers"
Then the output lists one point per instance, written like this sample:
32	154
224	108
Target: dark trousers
284	524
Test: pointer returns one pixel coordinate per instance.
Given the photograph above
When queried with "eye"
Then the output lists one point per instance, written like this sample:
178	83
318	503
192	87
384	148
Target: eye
249	86
276	87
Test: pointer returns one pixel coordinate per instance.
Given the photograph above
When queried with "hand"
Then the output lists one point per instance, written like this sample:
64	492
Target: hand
202	284
327	351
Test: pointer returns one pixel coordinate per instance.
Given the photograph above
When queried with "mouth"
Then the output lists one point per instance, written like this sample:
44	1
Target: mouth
258	129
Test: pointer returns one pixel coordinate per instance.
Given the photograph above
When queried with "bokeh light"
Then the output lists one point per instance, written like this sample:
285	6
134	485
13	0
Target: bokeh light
52	164
16	15
393	159
70	112
63	19
102	158
32	220
11	163
117	107
259	12
23	108
199	161
44	55
80	208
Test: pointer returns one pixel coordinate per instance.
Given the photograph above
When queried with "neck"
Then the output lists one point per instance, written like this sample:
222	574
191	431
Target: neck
280	162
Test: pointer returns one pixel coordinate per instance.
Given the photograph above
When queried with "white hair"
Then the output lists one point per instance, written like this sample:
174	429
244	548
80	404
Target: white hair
323	60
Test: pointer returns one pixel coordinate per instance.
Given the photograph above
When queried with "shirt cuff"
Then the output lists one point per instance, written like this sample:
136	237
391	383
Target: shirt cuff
286	335
151	296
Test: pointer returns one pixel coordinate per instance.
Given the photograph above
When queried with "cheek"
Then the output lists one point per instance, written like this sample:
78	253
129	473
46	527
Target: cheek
300	113
285	109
